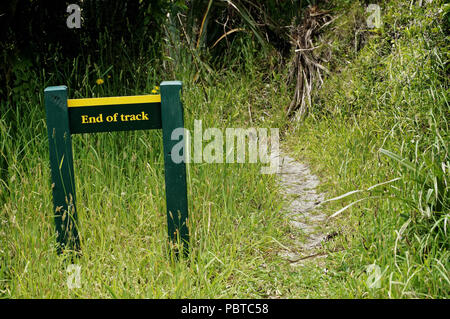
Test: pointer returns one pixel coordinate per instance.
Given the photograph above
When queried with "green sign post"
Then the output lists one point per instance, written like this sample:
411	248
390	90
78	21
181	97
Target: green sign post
73	116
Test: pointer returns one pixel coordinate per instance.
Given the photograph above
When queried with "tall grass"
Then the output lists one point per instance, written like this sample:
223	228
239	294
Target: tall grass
384	118
119	178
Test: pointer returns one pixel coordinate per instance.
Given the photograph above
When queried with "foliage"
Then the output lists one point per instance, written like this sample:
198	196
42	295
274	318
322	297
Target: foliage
382	117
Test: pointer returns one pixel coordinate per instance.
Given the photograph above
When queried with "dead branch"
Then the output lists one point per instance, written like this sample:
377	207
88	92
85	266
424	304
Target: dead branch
306	69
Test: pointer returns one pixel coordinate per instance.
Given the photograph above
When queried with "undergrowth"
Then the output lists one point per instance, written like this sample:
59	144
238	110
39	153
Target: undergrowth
377	133
382	118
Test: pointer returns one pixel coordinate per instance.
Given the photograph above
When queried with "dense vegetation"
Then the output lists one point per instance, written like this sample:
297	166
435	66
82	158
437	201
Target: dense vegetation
377	113
382	117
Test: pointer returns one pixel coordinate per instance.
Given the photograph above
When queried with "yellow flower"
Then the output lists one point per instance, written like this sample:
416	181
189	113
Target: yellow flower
153	91
100	81
157	88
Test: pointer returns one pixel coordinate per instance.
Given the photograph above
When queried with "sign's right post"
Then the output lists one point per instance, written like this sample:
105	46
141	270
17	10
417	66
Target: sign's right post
175	173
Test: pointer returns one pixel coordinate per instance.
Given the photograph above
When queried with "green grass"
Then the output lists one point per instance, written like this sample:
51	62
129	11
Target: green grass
234	210
383	117
390	94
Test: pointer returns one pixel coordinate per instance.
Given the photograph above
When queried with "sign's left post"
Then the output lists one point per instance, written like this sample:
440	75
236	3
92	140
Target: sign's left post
61	165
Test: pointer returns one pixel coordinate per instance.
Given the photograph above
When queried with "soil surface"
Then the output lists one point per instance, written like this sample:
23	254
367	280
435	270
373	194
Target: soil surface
299	189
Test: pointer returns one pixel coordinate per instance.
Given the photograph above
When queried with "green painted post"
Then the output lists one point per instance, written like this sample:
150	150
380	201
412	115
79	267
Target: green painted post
61	165
175	173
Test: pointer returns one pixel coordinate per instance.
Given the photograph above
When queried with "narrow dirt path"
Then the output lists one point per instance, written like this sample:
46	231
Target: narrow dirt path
299	189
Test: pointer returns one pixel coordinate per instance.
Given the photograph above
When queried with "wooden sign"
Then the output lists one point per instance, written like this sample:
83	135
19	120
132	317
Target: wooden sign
66	117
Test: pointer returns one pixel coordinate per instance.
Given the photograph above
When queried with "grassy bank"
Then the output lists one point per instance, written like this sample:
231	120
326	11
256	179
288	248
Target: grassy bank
383	117
376	132
235	218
